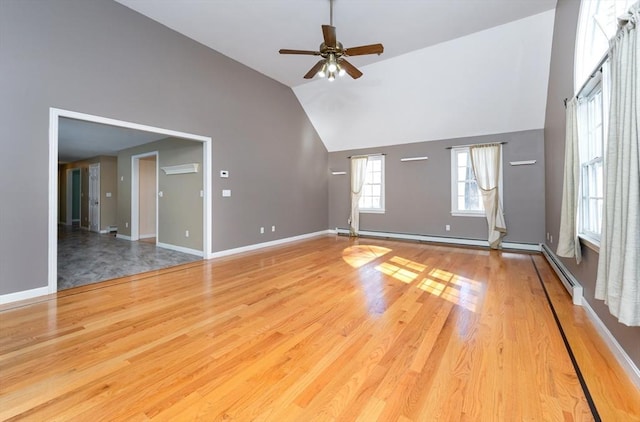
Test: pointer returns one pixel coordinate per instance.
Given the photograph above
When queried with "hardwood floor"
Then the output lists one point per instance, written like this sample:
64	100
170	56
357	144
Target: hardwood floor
326	329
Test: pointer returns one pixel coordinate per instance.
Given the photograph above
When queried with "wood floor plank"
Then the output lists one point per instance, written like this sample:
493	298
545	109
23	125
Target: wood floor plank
331	328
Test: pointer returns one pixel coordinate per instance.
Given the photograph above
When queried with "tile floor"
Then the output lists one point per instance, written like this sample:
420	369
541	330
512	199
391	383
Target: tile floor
85	257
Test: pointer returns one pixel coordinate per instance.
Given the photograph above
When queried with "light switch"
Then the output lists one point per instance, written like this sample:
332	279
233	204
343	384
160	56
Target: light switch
108	194
226	192
160	194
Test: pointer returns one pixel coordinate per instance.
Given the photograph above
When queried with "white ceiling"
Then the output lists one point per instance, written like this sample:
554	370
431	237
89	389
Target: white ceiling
78	139
252	31
451	68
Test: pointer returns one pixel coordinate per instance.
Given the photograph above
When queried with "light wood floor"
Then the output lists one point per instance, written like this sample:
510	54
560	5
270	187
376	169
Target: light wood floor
325	329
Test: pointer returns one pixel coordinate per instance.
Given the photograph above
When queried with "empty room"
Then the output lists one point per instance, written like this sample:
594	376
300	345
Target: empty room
391	210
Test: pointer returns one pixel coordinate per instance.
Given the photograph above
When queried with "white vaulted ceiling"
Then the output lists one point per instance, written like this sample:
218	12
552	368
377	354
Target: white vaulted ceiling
450	68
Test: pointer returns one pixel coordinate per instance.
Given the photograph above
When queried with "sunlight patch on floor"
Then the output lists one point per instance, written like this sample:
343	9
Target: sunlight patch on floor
360	255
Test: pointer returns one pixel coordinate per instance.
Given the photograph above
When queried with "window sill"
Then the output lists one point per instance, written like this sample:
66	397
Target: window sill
467	214
590	242
371	211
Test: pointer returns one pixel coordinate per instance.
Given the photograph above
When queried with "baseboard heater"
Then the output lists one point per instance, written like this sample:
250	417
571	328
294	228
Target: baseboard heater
436	239
568	280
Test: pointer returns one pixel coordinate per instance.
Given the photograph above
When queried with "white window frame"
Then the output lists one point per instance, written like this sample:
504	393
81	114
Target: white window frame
592	130
369	183
455	211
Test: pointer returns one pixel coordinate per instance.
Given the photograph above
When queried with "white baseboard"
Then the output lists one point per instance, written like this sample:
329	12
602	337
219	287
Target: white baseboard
621	356
146	236
533	247
179	249
249	248
123	237
570	284
22	295
568	280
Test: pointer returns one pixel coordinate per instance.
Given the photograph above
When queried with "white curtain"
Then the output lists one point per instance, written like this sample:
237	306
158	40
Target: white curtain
485	160
568	243
618	279
358	174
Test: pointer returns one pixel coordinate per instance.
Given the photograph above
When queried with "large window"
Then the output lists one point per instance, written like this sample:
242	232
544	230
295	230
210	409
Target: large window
598	23
465	195
372	198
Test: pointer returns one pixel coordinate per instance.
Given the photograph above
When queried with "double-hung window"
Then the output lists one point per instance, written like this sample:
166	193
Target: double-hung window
372	198
465	195
592	147
598	23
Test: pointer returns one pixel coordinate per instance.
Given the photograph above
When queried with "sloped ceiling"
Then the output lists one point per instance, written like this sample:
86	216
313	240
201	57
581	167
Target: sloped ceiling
450	68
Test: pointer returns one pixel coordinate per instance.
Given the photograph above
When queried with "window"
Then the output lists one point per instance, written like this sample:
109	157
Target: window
592	147
598	23
372	198
465	195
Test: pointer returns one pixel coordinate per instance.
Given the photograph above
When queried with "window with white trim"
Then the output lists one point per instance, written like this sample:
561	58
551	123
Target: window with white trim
592	147
465	195
372	198
598	23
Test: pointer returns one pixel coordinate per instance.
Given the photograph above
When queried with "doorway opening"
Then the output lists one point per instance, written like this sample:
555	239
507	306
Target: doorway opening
54	118
144	197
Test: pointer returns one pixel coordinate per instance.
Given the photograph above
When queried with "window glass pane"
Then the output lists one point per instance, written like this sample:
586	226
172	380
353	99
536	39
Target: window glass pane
462	173
376	178
376	165
375	202
461	203
462	159
376	190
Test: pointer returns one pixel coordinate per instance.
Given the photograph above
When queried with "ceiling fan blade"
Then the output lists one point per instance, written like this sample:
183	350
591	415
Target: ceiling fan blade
314	70
350	69
329	33
305	52
365	49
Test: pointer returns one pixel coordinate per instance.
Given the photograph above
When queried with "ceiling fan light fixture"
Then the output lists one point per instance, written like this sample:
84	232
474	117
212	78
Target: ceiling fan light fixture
323	72
332	76
332	64
341	71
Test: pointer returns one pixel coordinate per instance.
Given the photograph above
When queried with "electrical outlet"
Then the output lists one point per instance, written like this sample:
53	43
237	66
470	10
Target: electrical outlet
261	230
447	227
126	225
551	237
273	228
186	233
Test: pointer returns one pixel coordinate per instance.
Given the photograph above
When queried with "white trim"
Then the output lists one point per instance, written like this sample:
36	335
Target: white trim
123	236
54	115
338	173
532	247
23	295
135	191
621	356
253	247
179	248
146	236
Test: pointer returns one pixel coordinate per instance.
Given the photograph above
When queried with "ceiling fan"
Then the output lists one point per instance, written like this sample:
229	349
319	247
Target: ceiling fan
333	54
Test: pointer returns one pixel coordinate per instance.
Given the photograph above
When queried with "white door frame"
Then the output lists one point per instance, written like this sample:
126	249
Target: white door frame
54	116
135	193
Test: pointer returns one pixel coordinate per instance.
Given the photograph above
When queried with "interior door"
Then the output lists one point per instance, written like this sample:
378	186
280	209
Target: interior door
94	197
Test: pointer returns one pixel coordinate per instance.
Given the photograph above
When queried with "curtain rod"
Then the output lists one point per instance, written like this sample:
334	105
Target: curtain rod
366	155
475	145
598	68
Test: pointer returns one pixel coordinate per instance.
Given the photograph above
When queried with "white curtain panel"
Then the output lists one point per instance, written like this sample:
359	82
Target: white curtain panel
485	160
358	174
618	279
568	243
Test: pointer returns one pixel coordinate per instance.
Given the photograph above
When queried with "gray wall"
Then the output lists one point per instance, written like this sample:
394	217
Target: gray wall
180	207
418	193
560	87
99	57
